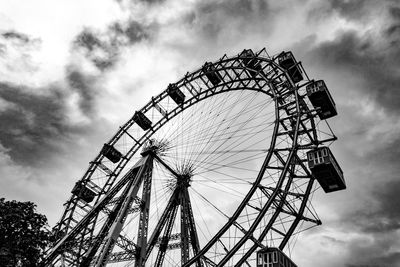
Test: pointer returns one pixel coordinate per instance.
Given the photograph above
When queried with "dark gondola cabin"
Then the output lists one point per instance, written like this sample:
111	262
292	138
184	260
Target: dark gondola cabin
273	257
326	170
249	60
247	55
142	120
213	75
287	61
111	153
321	99
176	94
83	192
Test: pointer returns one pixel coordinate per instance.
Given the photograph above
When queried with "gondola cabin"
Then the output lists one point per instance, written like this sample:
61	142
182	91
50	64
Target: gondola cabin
176	94
326	170
111	153
83	192
250	62
247	55
321	99
142	120
211	74
287	61
273	257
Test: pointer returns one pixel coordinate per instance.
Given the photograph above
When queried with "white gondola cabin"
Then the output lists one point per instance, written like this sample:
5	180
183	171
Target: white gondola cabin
249	60
321	99
83	192
325	169
287	61
213	75
142	120
176	94
111	153
273	257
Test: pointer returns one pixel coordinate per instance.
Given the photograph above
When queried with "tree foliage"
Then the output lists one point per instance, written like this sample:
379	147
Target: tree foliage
23	234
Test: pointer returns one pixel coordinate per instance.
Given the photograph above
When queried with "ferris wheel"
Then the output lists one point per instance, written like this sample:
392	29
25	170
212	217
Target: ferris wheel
220	164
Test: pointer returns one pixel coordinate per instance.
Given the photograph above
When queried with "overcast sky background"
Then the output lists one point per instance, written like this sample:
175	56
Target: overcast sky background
72	71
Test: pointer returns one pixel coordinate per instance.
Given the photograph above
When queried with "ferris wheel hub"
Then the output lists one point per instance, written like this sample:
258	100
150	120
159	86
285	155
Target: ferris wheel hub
157	147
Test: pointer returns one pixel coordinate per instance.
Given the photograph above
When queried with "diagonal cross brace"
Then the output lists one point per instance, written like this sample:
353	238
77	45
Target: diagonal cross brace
118	222
58	248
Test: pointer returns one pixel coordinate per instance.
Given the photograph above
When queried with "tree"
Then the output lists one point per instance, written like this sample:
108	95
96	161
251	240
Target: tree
23	234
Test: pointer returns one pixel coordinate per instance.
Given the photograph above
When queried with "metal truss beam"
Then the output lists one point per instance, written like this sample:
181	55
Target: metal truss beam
144	173
69	237
144	219
160	225
166	236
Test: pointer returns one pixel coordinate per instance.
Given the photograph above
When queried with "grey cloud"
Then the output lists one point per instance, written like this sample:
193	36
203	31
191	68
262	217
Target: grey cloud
103	48
235	9
95	48
378	221
89	40
391	259
362	265
395	12
135	32
16	35
18	39
334	240
374	65
35	126
83	84
388	214
153	1
370	62
16	49
393	28
353	10
390	154
32	124
150	2
210	17
128	33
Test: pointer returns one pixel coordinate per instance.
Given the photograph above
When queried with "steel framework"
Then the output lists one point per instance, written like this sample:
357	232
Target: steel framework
261	103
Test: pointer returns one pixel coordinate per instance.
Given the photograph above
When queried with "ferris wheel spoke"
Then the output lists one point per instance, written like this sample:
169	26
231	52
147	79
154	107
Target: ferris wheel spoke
193	126
214	129
165	217
166	237
163	163
201	167
226	140
223	189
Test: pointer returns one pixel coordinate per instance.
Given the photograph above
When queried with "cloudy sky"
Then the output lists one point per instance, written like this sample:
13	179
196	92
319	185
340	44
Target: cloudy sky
72	71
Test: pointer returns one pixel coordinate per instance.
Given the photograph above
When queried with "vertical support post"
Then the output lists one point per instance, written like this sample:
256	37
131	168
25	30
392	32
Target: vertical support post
106	226
166	237
143	221
161	223
184	227
120	219
194	239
